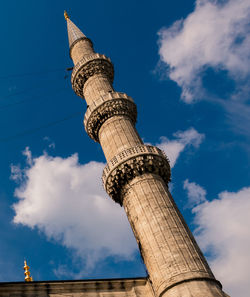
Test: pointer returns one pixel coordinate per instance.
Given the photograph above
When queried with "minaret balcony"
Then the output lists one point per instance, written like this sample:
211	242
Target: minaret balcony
89	66
133	162
107	106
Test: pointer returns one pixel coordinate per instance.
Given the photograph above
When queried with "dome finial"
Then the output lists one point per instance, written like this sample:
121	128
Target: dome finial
26	268
66	15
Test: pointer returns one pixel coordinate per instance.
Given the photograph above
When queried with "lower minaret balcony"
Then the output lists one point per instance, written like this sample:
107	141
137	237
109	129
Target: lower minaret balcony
133	162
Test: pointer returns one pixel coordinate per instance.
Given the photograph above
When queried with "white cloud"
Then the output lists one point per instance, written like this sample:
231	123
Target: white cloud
196	194
65	200
223	231
215	34
173	148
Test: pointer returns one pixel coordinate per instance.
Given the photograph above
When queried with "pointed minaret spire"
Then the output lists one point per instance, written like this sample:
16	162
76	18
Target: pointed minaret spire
26	268
75	35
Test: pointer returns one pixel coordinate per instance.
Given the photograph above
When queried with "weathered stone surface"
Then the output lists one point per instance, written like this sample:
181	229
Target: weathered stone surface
133	162
80	48
118	134
89	66
167	246
137	287
100	84
136	176
107	106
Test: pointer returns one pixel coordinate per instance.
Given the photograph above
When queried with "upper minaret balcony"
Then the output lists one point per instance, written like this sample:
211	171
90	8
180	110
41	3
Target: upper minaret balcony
92	76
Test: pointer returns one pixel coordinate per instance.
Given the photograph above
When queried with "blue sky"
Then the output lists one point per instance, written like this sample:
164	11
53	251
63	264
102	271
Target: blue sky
186	65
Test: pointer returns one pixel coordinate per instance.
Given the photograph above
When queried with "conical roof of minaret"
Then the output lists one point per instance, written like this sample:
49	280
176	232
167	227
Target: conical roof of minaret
74	33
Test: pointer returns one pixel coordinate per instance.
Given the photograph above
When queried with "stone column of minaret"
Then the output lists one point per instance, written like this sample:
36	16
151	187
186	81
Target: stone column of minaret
136	176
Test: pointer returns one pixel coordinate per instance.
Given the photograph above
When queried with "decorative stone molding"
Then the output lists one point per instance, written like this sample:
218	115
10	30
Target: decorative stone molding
123	287
105	107
133	162
89	66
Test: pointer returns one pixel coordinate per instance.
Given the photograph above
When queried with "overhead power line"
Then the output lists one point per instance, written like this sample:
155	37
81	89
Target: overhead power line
27	90
31	131
31	73
59	90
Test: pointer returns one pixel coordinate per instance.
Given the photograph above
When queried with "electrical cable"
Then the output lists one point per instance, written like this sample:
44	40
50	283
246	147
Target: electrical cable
20	92
31	131
28	99
31	73
25	91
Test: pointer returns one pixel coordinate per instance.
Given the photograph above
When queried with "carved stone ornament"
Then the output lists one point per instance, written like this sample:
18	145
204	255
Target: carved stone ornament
105	107
89	66
133	162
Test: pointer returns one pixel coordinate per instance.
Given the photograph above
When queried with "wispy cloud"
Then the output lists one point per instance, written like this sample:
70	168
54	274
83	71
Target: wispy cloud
182	139
196	194
50	143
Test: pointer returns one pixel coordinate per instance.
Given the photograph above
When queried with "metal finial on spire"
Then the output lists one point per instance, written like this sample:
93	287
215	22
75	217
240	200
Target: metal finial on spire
26	268
66	15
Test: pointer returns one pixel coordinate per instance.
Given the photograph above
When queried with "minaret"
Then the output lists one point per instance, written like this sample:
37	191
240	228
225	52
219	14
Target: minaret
136	176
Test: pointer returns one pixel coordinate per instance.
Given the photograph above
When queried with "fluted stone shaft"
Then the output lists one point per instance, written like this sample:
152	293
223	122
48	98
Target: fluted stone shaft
167	246
80	49
95	87
117	134
136	176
